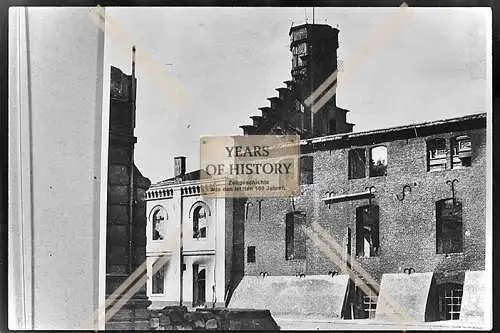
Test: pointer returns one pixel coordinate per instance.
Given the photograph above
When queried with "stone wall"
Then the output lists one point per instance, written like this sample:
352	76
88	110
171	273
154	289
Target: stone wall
179	318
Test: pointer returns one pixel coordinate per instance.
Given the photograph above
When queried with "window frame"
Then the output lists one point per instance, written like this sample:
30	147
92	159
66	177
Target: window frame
349	168
452	292
370	168
307	171
154	279
295	239
360	225
197	230
440	238
251	249
156	210
458	162
431	147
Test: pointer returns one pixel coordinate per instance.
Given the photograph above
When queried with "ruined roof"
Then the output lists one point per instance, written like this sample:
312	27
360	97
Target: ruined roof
414	130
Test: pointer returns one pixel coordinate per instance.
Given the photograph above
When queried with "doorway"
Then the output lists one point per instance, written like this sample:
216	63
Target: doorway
199	285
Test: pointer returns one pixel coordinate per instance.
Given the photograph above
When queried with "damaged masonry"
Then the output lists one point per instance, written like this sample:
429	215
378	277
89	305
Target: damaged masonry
374	232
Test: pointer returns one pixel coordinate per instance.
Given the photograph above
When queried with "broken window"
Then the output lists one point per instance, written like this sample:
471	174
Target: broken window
200	222
357	163
365	303
295	240
306	170
370	304
449	226
461	148
378	161
436	154
250	254
450	301
159	220
367	231
158	281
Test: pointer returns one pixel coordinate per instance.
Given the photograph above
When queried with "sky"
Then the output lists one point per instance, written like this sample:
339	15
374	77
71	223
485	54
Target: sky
205	71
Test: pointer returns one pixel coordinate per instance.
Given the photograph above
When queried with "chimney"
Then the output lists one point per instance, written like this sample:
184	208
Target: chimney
179	167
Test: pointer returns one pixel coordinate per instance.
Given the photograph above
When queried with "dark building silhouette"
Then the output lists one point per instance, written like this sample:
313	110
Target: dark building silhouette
126	212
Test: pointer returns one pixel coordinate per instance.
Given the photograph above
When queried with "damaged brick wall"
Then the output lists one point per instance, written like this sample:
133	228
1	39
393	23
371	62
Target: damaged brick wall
407	228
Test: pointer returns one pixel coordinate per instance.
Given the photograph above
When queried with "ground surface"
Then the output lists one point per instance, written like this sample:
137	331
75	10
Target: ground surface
364	324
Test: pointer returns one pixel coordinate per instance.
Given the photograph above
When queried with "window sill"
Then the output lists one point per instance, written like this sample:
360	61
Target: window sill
377	176
369	258
295	259
440	170
451	255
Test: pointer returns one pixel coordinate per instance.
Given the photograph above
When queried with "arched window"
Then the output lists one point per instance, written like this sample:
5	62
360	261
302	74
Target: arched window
159	220
200	222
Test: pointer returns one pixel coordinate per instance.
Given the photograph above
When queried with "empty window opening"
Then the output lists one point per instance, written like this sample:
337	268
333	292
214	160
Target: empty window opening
449	236
159	220
436	154
250	254
200	222
295	240
367	231
306	170
461	148
450	301
357	163
378	161
158	281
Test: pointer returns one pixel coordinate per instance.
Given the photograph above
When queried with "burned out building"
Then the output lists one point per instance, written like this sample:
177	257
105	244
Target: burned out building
405	201
389	222
390	200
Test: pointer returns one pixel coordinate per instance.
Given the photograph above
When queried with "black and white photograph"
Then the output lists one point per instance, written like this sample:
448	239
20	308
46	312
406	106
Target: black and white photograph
250	168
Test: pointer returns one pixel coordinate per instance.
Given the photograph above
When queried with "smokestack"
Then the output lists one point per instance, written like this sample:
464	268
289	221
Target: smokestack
179	167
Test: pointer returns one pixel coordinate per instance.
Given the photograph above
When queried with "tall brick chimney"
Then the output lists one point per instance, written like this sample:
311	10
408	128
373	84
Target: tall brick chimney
179	167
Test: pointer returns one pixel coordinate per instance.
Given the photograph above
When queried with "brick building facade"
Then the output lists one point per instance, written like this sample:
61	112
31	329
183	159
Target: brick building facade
404	204
402	210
